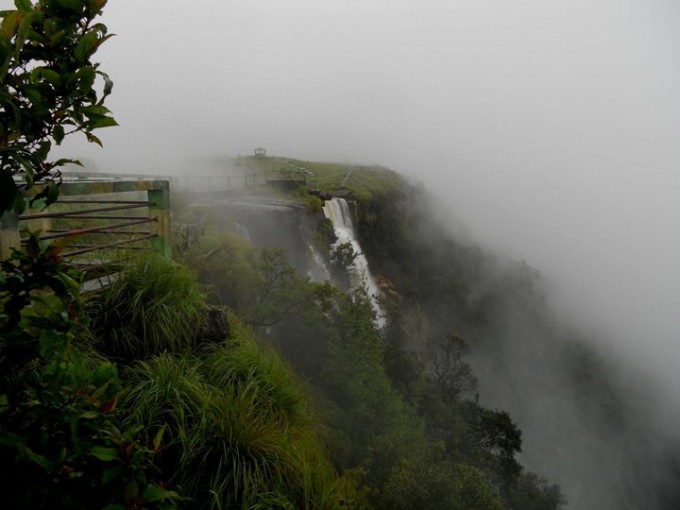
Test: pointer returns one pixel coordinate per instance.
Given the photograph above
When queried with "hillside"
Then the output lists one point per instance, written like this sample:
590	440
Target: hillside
584	424
232	378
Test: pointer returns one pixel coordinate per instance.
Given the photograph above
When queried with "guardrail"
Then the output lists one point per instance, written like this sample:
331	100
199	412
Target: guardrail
94	217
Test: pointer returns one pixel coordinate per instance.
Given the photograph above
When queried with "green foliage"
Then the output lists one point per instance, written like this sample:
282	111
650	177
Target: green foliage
62	447
534	493
326	233
61	442
280	294
229	427
240	434
37	294
154	305
313	204
226	264
243	359
341	262
259	284
48	90
432	450
361	181
397	422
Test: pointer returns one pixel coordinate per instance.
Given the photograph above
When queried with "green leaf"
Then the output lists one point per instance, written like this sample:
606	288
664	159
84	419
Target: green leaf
10	24
63	161
34	96
96	110
52	192
75	6
85	77
101	122
52	77
93	139
108	84
56	38
58	133
86	45
36	458
43	150
39	203
154	493
23	5
99	27
25	31
159	438
104	453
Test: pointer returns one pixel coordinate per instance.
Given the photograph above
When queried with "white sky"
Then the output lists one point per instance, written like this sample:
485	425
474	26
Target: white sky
550	126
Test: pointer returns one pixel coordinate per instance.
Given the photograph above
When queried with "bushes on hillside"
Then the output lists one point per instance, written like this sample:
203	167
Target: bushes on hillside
226	426
153	306
240	433
62	441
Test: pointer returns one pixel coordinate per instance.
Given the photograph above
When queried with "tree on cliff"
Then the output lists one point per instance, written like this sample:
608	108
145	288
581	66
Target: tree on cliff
49	88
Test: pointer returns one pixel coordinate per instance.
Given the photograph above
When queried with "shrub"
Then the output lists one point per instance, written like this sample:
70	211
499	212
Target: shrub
313	204
227	264
155	305
240	434
61	440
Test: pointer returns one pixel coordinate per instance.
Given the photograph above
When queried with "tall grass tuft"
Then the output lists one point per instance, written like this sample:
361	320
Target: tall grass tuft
155	305
243	359
238	434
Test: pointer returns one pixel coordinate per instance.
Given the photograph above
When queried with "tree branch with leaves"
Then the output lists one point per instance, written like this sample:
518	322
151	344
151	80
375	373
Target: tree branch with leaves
49	88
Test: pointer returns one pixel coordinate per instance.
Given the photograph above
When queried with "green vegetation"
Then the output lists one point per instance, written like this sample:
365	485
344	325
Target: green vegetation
154	306
63	443
401	426
48	90
119	403
223	425
240	433
226	423
363	181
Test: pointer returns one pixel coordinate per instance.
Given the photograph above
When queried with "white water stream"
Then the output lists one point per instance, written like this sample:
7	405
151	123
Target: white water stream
337	210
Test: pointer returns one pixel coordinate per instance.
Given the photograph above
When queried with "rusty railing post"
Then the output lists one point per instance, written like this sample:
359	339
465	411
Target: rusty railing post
160	211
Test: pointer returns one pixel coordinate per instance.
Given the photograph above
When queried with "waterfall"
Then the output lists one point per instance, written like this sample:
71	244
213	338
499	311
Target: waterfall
318	271
337	210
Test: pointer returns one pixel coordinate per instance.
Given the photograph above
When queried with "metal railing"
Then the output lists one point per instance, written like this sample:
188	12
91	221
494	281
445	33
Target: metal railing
218	182
95	221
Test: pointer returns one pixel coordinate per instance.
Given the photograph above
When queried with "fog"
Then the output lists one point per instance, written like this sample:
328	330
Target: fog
550	128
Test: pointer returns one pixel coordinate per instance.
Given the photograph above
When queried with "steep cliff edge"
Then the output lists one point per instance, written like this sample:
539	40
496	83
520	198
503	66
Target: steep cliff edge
446	296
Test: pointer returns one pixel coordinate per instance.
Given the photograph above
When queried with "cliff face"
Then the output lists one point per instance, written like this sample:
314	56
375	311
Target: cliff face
583	426
273	223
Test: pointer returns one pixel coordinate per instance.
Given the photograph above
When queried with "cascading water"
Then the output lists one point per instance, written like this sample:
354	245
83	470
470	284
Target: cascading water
317	271
337	211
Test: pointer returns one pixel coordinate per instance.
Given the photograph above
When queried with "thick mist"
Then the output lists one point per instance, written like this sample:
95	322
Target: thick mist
549	128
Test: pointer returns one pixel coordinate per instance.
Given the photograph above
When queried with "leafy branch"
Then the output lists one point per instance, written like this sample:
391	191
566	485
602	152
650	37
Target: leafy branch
49	89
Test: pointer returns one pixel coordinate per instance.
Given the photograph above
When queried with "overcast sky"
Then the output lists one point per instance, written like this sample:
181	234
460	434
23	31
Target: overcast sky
551	127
